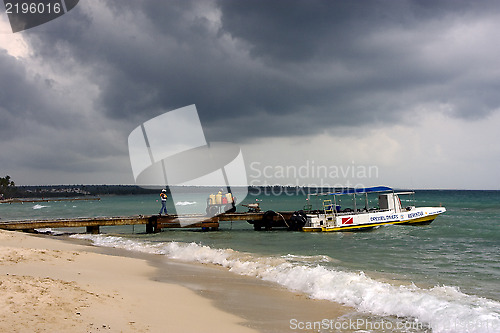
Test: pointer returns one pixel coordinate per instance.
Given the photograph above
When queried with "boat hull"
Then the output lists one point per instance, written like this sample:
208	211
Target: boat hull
312	229
423	220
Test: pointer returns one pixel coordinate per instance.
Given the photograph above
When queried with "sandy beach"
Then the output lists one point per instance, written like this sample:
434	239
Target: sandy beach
51	285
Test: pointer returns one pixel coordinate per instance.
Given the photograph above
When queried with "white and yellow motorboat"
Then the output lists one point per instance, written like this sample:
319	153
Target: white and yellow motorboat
359	215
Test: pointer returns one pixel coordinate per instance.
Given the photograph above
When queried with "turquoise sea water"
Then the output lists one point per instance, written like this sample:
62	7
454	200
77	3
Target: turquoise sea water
443	276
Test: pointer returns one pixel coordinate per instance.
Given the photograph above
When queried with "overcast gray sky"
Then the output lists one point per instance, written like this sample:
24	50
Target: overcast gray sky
397	93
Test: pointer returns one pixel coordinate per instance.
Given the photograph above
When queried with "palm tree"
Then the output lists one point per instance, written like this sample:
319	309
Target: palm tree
6	185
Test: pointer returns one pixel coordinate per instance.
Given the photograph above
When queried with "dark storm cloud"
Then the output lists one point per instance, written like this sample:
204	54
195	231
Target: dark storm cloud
277	67
41	126
298	30
377	57
24	101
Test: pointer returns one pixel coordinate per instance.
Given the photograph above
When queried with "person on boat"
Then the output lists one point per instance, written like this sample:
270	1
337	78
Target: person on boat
163	197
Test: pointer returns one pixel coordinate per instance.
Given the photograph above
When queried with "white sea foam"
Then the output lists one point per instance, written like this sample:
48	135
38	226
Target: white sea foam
49	231
308	259
39	206
444	308
185	203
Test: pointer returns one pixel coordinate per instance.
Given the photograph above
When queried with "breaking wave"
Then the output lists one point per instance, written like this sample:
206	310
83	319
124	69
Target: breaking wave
185	203
443	308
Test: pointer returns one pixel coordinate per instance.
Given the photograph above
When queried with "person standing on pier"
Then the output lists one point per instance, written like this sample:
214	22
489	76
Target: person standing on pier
163	196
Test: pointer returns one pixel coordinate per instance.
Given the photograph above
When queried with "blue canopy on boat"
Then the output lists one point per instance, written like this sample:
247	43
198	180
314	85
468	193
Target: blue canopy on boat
363	190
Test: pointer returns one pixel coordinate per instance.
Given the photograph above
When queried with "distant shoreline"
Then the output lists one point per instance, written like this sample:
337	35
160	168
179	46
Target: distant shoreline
31	200
85	191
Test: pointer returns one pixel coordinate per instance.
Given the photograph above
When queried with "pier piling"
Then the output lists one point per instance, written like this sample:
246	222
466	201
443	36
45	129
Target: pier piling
92	229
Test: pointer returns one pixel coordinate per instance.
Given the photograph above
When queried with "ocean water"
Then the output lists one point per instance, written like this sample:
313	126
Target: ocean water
442	277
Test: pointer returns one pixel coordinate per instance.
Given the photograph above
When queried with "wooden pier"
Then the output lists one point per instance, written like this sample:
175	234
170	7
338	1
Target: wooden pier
155	223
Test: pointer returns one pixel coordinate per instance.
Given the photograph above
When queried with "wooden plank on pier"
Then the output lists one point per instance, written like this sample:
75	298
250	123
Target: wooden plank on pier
154	223
74	222
250	216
